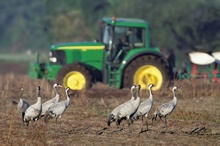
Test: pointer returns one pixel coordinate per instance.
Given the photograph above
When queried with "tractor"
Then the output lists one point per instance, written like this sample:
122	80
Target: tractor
121	58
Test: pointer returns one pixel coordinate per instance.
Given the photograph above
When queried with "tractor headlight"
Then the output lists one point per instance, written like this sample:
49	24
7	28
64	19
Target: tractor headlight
57	57
53	59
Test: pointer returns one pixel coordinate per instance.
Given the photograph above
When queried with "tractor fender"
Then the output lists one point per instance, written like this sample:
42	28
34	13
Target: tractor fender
142	53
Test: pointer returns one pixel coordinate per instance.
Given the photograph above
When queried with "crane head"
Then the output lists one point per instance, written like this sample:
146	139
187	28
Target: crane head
176	88
57	85
138	87
151	85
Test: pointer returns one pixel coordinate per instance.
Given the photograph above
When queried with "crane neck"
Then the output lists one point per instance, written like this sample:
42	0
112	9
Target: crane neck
21	100
38	93
56	91
67	98
21	94
174	96
132	92
151	93
39	99
138	93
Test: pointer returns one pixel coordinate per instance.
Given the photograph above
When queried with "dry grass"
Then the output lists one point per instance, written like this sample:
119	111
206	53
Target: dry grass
196	117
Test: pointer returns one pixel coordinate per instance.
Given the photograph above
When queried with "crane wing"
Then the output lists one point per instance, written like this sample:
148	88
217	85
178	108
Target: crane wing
58	108
166	108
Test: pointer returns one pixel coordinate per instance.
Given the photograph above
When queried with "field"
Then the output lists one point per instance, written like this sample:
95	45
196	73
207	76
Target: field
195	121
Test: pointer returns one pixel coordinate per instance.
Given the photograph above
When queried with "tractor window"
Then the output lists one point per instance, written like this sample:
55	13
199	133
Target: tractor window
130	36
123	37
139	38
107	34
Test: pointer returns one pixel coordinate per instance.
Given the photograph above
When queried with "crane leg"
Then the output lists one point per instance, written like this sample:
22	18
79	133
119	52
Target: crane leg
154	119
161	119
129	118
22	116
60	121
166	121
129	123
142	119
146	124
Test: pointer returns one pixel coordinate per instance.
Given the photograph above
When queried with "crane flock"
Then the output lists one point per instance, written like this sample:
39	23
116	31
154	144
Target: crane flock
134	108
130	110
49	109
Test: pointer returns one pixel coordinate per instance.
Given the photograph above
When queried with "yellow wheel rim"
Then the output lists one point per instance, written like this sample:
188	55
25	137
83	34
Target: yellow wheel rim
148	74
75	80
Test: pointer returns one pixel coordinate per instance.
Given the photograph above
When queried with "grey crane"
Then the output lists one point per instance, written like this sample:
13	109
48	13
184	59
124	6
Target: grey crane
112	116
46	105
145	107
128	110
33	112
57	109
22	105
166	108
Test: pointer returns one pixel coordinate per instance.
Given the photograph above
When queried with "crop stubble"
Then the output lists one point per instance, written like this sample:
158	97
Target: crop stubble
195	121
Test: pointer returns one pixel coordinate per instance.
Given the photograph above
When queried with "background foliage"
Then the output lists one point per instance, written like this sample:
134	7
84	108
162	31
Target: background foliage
181	25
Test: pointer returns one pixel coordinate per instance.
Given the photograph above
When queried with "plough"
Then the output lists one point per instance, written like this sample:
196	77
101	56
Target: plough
209	63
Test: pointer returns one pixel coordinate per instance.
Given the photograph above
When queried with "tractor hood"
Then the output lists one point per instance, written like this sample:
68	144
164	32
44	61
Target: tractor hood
79	46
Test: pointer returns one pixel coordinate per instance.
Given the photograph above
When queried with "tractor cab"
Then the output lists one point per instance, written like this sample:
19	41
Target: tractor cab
127	40
119	39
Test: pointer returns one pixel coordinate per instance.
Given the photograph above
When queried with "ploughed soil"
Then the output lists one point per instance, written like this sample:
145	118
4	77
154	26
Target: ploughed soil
195	121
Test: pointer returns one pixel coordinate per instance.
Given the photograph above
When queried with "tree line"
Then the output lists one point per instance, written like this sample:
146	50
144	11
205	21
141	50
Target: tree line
180	25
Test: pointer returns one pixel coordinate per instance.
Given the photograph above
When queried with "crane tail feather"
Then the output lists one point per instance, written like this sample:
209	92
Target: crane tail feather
47	116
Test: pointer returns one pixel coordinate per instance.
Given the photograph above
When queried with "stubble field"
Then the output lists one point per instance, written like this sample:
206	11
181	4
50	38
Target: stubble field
195	121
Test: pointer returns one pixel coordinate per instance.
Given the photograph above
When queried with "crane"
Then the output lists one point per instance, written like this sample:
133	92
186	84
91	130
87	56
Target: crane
145	107
33	112
57	109
128	110
112	116
22	105
46	105
166	108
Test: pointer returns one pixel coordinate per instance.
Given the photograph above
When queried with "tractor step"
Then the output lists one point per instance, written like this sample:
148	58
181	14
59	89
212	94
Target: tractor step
115	65
114	72
113	80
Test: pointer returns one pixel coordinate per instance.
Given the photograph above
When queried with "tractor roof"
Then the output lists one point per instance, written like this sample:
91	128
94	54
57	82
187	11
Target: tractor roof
130	22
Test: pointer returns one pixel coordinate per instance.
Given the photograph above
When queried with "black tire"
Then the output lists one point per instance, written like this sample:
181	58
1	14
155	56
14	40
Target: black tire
76	68
130	70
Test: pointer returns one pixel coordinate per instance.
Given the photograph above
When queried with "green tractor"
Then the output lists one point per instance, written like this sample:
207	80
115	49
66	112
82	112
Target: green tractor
122	57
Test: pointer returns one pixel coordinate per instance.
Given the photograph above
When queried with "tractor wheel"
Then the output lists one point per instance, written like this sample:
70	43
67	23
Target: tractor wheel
75	76
145	70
